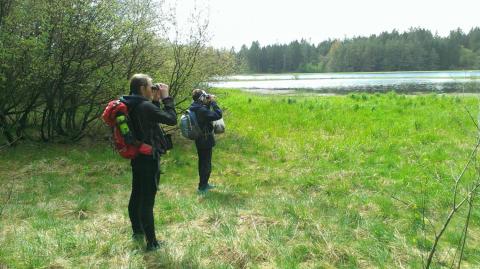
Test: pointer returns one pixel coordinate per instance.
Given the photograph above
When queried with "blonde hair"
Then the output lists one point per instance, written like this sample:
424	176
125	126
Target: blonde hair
137	81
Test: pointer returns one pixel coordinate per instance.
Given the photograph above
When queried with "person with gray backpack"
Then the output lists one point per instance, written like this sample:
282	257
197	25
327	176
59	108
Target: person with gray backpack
199	122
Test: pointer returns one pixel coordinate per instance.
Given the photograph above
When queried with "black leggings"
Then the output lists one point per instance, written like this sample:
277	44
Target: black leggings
204	166
145	177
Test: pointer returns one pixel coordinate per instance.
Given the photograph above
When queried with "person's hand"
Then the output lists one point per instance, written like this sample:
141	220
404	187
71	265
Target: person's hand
161	93
212	98
163	90
155	94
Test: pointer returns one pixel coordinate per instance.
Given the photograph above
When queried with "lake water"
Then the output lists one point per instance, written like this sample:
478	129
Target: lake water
441	81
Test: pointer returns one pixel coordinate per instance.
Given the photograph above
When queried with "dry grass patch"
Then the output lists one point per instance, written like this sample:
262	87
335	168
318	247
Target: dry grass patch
250	221
232	255
341	175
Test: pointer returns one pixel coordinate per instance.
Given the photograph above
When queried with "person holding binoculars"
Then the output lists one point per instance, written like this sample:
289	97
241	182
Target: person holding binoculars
206	109
145	115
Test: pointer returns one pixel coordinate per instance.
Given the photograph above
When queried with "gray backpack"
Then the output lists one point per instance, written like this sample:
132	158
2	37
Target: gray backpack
189	125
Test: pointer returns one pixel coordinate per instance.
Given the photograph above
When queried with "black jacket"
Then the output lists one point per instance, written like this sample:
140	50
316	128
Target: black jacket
145	117
205	115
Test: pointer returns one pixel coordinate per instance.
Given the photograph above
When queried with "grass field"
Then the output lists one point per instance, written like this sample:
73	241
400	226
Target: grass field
304	182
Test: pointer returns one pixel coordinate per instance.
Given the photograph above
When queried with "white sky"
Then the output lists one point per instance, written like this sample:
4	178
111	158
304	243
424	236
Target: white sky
233	23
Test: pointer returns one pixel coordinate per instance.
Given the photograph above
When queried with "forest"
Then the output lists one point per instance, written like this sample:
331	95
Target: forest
62	61
413	50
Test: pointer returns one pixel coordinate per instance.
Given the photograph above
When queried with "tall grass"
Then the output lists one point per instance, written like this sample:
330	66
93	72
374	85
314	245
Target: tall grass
304	182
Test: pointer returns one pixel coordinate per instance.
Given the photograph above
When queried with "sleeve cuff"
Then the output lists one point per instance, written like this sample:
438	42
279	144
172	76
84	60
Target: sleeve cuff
168	101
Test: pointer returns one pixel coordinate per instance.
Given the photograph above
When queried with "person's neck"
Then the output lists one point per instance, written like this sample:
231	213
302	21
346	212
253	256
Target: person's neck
140	95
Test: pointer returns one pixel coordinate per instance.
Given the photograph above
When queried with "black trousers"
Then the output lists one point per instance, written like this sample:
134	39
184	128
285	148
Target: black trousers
145	177
204	165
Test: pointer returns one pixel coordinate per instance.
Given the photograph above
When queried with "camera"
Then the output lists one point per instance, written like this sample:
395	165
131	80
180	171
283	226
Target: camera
155	87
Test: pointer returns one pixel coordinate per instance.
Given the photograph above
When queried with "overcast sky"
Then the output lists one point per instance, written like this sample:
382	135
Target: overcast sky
233	23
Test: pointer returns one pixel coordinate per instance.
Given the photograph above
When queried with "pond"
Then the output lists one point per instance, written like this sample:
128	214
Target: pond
407	82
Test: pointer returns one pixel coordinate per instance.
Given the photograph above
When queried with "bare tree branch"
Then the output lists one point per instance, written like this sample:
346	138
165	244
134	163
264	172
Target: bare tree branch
446	223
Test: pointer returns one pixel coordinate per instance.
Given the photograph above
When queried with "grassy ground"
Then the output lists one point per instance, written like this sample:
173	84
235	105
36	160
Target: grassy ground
304	182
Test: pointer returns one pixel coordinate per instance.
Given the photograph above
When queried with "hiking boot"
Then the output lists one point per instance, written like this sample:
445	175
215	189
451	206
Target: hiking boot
202	191
155	245
209	187
206	188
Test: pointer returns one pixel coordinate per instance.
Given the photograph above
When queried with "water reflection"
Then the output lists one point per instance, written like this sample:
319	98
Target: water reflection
445	81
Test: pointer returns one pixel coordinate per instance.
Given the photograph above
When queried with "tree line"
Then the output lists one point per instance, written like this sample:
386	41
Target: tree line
416	49
63	60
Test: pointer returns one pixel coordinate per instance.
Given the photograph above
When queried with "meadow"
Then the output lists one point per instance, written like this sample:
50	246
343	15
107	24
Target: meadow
304	181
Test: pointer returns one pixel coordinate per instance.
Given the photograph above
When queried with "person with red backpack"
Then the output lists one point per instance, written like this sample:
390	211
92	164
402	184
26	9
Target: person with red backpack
145	114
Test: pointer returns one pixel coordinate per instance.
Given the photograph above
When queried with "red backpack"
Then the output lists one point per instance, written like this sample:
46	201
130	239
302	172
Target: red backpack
115	115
